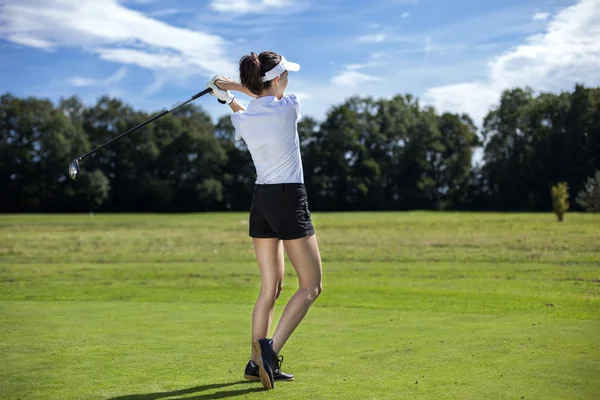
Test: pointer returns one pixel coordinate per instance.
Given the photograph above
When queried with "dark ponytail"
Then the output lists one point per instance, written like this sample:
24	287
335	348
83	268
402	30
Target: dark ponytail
253	68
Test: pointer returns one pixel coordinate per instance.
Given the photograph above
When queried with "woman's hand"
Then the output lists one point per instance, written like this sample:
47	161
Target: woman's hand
220	93
227	83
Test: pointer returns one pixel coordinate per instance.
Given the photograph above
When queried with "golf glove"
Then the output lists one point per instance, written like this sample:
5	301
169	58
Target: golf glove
224	96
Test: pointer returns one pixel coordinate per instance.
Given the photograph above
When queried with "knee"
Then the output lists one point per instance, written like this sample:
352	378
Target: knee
315	291
272	291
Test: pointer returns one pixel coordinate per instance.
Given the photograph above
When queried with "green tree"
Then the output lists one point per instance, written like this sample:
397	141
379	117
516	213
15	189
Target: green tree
337	161
420	158
124	162
389	154
37	143
238	174
426	158
97	189
560	199
191	160
458	137
534	141
367	154
579	149
589	197
173	164
507	151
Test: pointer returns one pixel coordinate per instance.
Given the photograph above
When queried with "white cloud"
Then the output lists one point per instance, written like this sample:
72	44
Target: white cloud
350	78
405	14
81	82
355	67
303	95
540	16
26	40
248	6
168	11
568	52
375	38
115	33
139	2
142	58
114	78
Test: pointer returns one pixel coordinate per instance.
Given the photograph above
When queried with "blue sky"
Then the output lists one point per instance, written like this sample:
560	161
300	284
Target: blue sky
454	55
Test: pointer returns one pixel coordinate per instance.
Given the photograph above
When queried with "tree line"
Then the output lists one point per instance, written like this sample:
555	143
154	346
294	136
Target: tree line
368	154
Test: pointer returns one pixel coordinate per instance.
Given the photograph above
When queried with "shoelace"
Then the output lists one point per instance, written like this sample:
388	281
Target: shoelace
278	364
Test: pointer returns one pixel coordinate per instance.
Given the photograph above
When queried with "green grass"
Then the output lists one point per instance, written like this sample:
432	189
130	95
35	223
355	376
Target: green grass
415	306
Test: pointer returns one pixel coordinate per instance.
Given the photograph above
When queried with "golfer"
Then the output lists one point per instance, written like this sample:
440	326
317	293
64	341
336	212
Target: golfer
279	213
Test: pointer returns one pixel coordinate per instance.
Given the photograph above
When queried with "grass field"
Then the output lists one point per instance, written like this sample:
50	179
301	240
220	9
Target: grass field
415	306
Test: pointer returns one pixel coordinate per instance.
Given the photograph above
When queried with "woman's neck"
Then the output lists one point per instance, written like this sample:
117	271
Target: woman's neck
269	92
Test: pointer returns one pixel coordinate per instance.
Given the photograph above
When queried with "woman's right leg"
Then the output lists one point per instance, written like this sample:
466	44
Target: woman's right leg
269	254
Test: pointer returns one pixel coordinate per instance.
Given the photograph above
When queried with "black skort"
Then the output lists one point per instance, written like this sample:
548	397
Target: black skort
280	211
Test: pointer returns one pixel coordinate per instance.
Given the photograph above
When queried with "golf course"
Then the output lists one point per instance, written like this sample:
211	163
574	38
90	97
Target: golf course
415	305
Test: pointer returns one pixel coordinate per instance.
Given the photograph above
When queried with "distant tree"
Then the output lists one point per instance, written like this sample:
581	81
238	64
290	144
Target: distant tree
192	161
589	197
237	173
73	108
368	154
533	141
458	138
560	199
580	145
98	188
507	151
169	165
37	144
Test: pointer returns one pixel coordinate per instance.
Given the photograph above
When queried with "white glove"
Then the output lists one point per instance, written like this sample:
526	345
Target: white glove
224	96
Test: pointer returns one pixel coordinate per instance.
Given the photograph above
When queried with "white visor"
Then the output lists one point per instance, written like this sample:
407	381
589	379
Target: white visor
284	65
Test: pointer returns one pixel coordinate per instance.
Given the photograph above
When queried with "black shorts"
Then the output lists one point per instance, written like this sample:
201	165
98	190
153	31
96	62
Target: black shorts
280	211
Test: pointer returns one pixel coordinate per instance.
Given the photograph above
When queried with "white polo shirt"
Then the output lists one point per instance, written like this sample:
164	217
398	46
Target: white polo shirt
269	128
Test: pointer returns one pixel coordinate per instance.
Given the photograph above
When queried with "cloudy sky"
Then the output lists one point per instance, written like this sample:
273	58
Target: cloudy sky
453	55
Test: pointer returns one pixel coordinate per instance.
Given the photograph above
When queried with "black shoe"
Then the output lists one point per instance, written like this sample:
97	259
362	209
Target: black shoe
251	372
278	373
266	355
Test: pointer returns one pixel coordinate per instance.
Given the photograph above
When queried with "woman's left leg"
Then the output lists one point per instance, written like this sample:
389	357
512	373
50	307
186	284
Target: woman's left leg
306	260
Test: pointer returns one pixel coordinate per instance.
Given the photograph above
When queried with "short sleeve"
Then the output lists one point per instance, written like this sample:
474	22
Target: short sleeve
234	119
294	99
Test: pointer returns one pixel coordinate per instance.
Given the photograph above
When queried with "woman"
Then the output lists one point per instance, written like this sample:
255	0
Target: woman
279	214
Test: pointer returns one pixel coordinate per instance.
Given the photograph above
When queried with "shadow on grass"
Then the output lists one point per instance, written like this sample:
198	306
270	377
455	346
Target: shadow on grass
219	395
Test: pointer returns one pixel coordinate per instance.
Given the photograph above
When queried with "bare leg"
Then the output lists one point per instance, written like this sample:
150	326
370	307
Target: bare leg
269	254
306	259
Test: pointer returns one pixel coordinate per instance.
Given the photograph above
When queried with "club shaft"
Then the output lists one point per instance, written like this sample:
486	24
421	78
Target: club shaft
194	97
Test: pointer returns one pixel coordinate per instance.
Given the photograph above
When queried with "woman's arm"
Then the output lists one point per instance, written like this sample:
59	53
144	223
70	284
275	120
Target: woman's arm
221	87
229	84
235	106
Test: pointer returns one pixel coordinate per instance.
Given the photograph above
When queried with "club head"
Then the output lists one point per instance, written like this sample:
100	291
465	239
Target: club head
74	169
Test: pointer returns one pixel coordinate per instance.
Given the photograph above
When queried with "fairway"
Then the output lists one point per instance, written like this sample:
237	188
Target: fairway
415	305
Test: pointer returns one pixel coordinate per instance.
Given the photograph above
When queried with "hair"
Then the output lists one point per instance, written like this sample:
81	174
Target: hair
253	67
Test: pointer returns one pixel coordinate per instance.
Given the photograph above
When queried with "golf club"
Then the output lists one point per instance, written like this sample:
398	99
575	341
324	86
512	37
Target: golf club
74	166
